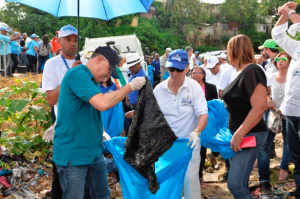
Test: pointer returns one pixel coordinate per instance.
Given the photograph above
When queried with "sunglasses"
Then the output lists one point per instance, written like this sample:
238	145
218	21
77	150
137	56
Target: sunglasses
283	59
197	73
172	69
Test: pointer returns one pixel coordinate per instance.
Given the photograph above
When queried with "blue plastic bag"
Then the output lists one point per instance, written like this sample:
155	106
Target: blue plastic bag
113	120
170	170
216	134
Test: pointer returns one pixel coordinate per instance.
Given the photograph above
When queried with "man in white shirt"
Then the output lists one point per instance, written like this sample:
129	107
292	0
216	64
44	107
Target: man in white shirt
197	58
291	104
214	66
184	107
270	50
223	60
192	58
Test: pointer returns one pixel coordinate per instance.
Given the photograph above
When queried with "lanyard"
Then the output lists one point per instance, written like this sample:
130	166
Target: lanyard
63	58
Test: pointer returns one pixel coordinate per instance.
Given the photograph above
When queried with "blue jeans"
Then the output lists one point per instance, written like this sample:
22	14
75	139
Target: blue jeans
241	165
73	179
263	160
293	129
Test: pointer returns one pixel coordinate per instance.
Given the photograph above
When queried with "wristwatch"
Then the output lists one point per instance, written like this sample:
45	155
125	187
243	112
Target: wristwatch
197	131
290	12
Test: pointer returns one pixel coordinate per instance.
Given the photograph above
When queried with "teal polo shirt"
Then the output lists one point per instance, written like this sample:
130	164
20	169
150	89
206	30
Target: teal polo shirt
7	45
79	128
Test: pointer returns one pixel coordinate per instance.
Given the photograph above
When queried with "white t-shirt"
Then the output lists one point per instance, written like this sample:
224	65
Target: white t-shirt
277	92
270	68
27	41
224	66
213	79
182	110
54	72
230	73
192	61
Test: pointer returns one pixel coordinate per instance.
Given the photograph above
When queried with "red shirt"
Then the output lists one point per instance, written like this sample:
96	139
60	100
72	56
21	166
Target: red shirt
55	45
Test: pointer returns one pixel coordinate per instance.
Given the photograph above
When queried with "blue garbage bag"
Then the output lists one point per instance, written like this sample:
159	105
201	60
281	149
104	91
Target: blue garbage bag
170	170
216	134
113	120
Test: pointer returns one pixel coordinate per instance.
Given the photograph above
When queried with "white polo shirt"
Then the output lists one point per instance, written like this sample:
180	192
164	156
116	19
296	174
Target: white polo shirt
182	110
54	72
291	103
224	66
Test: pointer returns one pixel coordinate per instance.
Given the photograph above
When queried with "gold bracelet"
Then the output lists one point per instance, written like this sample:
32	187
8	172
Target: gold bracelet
197	131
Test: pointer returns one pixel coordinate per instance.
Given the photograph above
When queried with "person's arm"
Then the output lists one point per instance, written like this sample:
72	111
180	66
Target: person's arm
220	93
202	122
15	37
279	31
35	49
259	106
52	96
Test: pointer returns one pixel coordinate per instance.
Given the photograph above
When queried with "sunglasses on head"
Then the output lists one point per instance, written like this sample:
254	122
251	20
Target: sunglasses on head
283	59
172	69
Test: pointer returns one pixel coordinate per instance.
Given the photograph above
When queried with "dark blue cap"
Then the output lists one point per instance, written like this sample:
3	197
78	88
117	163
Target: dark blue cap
178	59
112	57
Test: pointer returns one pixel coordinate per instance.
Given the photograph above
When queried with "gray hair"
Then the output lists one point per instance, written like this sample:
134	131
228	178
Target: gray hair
188	48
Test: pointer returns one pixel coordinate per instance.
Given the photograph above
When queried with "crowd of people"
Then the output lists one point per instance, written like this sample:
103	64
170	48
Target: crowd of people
23	50
252	88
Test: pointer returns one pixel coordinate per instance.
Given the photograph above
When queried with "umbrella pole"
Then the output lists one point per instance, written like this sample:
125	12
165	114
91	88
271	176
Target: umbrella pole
78	5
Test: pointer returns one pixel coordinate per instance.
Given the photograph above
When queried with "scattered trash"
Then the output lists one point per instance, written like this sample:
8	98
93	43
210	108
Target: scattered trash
4	181
41	172
210	177
9	191
31	156
291	168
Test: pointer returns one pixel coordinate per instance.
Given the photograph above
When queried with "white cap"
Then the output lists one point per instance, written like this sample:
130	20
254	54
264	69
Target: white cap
212	61
222	56
67	30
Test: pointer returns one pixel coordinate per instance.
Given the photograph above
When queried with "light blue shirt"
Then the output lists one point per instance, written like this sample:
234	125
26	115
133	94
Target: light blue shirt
15	47
30	46
7	45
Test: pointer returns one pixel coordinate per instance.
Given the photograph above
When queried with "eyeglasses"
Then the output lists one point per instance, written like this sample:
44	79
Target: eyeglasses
283	59
262	50
172	69
197	73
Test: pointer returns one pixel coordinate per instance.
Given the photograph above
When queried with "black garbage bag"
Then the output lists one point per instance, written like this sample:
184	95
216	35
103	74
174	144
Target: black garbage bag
149	136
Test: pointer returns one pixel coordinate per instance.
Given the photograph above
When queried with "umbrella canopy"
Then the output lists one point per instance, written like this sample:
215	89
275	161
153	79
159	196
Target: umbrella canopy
102	9
6	26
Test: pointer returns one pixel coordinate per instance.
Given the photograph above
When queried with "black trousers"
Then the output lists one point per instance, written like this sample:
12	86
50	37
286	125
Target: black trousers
15	60
32	63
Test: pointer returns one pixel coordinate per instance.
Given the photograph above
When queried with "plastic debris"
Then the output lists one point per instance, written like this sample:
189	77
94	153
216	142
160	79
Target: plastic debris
12	180
31	156
9	191
27	192
41	172
5	172
4	181
291	168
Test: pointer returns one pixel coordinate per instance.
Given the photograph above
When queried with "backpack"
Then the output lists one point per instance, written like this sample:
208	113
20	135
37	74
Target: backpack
43	50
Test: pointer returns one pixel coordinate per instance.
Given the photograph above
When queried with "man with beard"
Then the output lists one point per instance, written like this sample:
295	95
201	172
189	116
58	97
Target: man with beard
270	50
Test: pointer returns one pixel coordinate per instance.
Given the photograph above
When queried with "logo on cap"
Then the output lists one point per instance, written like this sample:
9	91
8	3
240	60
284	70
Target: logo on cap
69	28
176	58
209	61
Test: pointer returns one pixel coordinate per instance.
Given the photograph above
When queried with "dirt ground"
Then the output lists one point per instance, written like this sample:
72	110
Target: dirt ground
210	187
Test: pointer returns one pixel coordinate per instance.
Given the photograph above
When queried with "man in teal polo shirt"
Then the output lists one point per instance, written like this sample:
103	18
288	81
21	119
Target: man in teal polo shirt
7	52
77	145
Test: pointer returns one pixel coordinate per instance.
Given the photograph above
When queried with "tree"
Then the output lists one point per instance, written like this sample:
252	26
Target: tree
189	14
243	12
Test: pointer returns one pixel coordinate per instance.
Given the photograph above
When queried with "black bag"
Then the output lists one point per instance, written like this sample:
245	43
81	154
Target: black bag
149	136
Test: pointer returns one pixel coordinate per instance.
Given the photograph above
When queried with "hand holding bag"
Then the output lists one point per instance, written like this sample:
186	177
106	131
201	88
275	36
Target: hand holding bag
275	121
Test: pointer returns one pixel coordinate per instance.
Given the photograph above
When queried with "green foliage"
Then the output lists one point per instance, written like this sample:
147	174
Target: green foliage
257	39
204	49
225	40
28	112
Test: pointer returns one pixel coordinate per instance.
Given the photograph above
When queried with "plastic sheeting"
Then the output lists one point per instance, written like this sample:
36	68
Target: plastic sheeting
216	134
170	170
113	120
149	136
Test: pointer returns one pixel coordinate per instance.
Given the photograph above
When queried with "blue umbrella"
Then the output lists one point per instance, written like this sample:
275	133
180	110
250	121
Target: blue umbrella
102	9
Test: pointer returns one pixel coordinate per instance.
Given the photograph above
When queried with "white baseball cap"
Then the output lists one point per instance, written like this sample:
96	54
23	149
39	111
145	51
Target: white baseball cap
67	30
212	61
222	56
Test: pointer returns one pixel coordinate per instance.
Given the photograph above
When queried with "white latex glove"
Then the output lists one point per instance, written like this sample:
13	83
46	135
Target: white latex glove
193	138
137	83
106	136
49	134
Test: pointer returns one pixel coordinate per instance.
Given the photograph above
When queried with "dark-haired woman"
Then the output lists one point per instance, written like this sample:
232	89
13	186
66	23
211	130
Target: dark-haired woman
44	45
107	85
210	93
